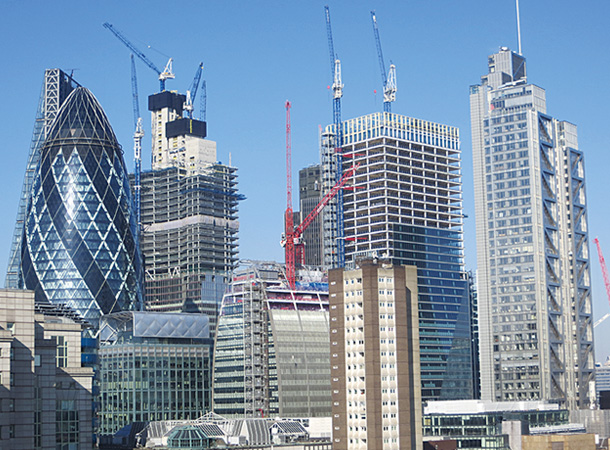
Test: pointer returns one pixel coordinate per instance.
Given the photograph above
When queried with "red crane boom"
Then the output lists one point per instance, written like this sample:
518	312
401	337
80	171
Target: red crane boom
602	263
291	240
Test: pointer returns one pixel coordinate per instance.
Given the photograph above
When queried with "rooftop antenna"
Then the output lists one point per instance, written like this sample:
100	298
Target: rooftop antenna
518	27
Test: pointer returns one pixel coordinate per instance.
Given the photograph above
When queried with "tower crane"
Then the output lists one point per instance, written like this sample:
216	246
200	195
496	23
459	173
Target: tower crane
137	144
335	67
389	80
289	217
163	74
191	93
292	239
602	263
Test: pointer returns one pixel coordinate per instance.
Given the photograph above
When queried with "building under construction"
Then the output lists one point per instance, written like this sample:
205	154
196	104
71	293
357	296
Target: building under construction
189	213
405	204
272	352
310	194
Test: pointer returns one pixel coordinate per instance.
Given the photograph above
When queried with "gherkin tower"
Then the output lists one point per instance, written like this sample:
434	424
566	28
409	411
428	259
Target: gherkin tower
79	244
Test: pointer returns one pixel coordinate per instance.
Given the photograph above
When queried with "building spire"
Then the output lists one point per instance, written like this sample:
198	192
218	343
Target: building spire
518	27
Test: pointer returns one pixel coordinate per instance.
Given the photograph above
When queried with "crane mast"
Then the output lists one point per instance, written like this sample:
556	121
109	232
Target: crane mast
389	79
137	145
337	87
602	263
191	93
289	218
204	101
163	74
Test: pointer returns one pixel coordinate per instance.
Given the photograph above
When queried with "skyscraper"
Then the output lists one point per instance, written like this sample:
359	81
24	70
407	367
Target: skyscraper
79	246
310	194
189	213
534	289
405	204
55	89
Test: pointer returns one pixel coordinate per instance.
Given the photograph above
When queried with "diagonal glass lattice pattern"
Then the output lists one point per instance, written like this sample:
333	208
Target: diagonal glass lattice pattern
79	244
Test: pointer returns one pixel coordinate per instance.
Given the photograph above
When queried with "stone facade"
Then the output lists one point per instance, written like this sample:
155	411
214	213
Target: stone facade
45	394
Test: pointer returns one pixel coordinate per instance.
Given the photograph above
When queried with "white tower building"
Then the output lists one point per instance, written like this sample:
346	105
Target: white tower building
536	336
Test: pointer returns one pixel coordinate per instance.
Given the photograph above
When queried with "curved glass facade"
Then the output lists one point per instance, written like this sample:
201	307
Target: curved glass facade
79	246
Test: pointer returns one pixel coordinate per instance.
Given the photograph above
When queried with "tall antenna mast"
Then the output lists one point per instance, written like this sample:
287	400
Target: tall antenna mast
518	27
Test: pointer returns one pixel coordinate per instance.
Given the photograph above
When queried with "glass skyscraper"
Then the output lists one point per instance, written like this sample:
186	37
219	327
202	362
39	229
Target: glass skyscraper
405	205
78	244
534	288
56	87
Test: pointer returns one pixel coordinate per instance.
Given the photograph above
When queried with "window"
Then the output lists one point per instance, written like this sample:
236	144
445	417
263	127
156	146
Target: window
61	354
67	429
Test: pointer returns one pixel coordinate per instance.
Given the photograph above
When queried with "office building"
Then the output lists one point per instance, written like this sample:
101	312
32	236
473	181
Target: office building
188	211
153	366
476	424
602	376
565	439
271	353
474	334
405	204
44	392
374	341
310	194
56	87
79	242
534	293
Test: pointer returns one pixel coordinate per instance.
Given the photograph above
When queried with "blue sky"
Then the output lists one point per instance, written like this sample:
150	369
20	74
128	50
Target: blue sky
258	54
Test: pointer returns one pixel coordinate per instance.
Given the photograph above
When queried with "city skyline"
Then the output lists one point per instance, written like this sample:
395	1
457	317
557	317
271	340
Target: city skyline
257	56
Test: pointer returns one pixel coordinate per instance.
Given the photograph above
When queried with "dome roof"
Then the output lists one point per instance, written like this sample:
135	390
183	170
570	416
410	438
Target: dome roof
187	437
81	117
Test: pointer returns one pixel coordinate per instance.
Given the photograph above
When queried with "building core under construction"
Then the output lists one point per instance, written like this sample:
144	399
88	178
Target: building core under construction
404	203
189	212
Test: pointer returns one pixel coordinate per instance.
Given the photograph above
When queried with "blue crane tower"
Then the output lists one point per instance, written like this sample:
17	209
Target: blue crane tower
337	87
163	74
204	101
389	79
191	93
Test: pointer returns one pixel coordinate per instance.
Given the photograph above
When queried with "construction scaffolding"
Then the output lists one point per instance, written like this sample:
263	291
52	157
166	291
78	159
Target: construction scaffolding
271	350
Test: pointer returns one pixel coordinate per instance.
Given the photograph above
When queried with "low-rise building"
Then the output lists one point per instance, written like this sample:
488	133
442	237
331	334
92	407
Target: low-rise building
559	441
45	394
215	431
153	366
478	424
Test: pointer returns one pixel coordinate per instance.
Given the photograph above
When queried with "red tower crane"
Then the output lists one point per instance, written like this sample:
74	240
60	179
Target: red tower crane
292	238
288	218
602	263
